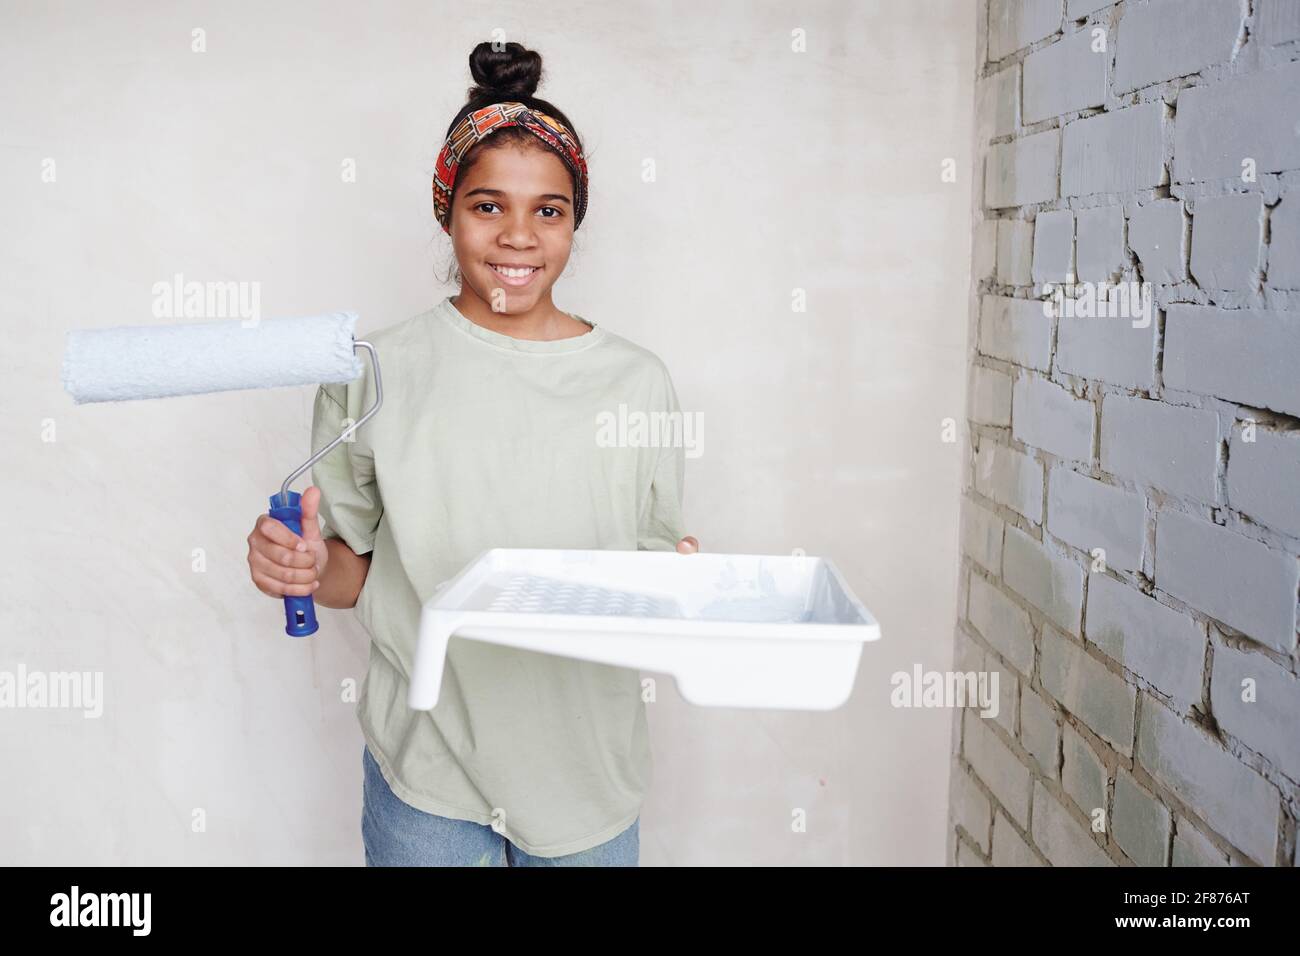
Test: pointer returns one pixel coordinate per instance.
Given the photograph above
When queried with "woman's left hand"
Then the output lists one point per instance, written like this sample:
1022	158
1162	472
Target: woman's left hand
688	545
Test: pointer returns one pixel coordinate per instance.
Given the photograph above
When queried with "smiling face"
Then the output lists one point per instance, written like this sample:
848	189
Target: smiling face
512	227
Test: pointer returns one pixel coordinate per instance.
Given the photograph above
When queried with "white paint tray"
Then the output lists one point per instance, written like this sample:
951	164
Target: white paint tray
735	630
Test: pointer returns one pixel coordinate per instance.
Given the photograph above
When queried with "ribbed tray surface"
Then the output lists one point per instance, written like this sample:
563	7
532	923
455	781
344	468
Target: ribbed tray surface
529	593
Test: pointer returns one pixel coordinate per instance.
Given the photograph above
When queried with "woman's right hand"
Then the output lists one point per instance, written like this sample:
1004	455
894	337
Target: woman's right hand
282	563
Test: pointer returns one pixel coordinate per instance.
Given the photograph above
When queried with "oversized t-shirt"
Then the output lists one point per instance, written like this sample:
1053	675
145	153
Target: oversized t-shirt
488	441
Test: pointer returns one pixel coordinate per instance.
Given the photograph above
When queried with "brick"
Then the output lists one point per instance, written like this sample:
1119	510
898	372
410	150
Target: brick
1226	236
1082	685
990	396
1015	330
981	535
1010	478
1264	478
984	250
1168	447
1014	24
1167	38
1269	724
1278	21
1003	623
1040	734
1015	251
1242	355
1231	578
1064	77
1046	579
1155	234
1139	823
1237	802
1090	514
1008	691
1022	171
1220	124
967	655
997	767
1053	246
1062	838
1046	416
1191	848
971	809
1082	775
1099	243
1120	350
1114	152
1078	9
1164	647
997	104
1113	341
1284	243
1009	848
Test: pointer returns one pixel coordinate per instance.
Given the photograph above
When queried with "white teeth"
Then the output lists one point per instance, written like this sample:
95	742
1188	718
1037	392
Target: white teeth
514	273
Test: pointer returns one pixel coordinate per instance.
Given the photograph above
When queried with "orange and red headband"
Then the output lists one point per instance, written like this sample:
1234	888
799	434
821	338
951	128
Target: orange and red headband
482	123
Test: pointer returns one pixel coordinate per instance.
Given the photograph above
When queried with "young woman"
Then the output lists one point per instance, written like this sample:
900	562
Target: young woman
488	438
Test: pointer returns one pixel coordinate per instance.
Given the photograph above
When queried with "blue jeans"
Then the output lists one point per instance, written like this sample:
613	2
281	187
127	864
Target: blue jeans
397	834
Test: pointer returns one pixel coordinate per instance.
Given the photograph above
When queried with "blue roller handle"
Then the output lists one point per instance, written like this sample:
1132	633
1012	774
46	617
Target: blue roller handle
299	611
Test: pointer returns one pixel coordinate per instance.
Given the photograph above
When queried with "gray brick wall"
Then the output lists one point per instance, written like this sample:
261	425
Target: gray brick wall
1131	512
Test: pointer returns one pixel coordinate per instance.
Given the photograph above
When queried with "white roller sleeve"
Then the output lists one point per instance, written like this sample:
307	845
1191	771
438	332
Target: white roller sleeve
159	361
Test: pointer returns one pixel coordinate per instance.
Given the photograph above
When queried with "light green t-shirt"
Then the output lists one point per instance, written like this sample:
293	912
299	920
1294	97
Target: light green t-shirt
487	441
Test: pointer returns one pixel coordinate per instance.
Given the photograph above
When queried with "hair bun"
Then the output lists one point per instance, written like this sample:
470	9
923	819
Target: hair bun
511	73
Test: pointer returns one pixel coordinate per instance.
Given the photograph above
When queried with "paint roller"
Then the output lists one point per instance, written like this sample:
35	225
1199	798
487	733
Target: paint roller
151	361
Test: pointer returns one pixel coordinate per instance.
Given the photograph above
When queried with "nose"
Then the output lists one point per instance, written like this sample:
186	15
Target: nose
517	231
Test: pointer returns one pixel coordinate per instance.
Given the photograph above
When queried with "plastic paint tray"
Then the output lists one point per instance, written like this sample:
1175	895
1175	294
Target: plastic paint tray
735	630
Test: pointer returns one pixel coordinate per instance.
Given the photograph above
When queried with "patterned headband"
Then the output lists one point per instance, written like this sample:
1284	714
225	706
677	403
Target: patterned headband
480	124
